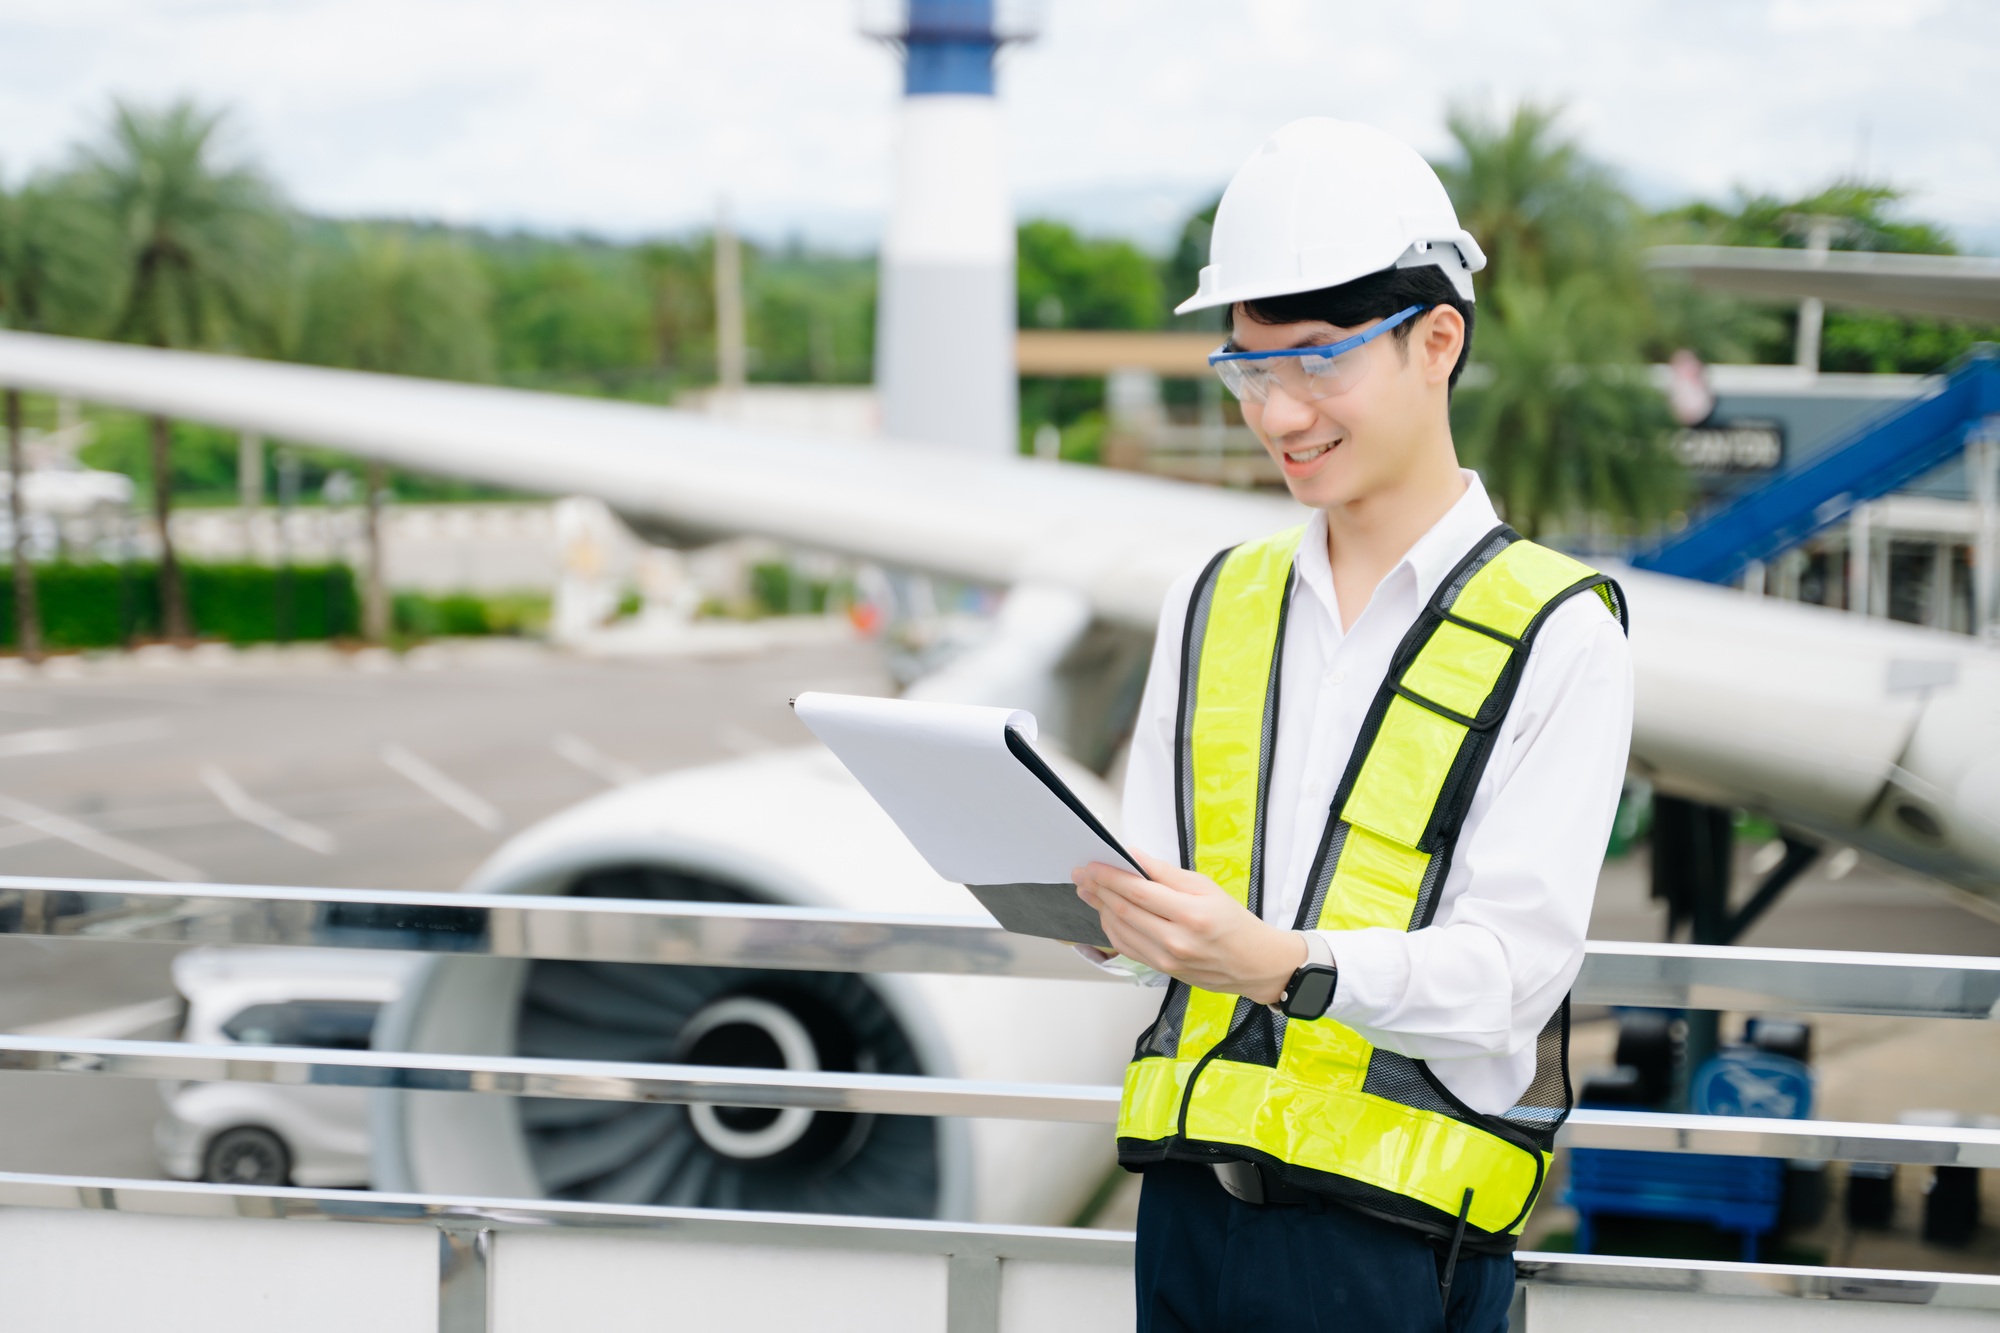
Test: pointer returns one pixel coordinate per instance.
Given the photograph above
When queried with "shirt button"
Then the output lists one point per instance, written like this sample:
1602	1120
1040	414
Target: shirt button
1337	678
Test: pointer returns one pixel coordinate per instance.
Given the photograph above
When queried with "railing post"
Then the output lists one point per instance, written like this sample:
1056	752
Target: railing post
972	1294
463	1252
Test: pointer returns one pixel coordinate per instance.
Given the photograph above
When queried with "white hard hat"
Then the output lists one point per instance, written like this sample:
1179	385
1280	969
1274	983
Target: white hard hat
1325	202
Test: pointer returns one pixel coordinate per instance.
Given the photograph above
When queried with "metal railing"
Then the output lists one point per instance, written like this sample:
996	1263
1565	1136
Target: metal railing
1667	976
626	931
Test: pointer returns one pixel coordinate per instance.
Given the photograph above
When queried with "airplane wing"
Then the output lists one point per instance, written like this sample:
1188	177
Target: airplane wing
1119	539
1870	732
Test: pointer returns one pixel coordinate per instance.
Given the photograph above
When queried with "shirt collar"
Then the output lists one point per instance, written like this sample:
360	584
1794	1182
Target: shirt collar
1434	555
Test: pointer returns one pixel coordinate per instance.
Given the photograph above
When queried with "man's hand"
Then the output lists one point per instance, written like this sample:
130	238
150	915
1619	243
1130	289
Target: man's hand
1183	924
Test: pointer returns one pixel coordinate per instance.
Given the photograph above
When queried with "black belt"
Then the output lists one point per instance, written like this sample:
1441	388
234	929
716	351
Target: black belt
1254	1185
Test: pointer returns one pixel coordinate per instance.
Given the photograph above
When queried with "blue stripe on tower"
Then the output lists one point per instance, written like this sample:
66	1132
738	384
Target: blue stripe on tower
949	46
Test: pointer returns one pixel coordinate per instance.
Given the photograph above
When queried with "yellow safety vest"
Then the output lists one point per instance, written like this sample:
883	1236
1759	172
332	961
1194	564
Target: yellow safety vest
1218	1077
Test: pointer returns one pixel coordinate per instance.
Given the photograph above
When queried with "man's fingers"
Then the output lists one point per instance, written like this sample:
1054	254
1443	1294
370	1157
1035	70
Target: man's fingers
1160	900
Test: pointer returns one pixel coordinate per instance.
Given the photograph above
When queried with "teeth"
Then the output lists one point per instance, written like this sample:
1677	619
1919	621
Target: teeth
1307	455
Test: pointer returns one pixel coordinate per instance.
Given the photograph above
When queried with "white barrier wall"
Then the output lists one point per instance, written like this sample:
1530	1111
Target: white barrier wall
105	1272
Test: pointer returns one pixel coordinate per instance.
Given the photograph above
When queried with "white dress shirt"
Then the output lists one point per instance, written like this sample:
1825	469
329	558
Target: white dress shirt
1471	991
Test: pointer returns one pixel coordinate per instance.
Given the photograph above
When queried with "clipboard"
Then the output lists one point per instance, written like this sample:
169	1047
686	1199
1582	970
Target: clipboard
969	790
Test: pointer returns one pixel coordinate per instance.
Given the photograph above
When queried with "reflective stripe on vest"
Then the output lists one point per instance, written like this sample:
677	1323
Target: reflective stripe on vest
1217	1076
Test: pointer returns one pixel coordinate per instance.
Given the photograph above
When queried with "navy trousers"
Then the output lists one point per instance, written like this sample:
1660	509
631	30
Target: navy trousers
1209	1263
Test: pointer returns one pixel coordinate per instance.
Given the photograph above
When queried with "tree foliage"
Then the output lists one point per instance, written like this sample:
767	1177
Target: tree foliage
1561	421
1562	435
1064	280
199	236
1542	210
1857	215
385	300
57	273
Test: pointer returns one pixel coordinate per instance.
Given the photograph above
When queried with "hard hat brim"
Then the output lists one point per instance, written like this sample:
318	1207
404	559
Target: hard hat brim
1458	255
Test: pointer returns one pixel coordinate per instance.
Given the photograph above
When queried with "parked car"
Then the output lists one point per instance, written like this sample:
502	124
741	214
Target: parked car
258	1134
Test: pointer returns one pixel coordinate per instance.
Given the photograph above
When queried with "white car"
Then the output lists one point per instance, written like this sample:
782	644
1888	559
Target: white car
255	1134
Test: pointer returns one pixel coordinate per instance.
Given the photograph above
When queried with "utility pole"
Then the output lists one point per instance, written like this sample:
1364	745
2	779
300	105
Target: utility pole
1860	561
1812	311
375	591
249	488
284	613
1982	461
730	355
27	616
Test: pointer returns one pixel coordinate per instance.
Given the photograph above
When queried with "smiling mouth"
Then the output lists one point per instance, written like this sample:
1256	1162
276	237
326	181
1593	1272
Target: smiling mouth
1309	452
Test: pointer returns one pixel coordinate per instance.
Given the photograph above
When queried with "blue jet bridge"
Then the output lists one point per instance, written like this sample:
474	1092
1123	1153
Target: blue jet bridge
1884	454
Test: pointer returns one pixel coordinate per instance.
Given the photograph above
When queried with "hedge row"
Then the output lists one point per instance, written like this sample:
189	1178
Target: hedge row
104	605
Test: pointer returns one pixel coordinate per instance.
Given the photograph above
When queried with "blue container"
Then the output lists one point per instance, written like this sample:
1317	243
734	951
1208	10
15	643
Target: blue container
1739	1194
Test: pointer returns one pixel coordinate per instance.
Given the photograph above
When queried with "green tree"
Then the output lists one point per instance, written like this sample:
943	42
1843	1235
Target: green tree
1541	209
570	315
1859	215
54	278
1562	435
200	238
1066	281
1560	418
382	299
811	318
680	288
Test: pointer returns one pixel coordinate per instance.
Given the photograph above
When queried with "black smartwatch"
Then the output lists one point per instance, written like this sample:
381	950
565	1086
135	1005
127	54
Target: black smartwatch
1309	992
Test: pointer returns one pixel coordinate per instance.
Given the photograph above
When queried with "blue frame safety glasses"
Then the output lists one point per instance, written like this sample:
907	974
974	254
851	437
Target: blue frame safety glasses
1306	373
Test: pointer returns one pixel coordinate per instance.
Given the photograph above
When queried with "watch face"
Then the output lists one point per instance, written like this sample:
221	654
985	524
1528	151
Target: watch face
1312	994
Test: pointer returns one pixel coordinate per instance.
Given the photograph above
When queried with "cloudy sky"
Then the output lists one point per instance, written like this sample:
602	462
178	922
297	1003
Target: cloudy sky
628	116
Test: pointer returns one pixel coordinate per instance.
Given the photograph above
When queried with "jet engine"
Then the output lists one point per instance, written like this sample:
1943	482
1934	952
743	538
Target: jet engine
787	827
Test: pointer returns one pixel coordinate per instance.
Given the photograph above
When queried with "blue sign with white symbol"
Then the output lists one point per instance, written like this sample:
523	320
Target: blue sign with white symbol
1753	1083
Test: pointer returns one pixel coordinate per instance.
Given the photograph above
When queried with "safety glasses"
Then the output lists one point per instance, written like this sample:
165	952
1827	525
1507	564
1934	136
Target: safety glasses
1306	373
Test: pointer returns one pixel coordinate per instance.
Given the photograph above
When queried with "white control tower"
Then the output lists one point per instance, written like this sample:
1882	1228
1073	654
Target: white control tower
944	335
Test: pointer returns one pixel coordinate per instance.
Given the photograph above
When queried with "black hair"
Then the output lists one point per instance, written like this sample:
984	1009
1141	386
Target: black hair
1374	296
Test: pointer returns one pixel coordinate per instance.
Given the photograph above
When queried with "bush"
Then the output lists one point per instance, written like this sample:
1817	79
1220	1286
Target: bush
105	605
423	616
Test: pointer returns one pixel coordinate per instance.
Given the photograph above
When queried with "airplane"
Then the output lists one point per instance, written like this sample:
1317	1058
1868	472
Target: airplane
1853	730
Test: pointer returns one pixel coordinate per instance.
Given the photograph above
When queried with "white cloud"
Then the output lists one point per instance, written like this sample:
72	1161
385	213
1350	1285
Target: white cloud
635	115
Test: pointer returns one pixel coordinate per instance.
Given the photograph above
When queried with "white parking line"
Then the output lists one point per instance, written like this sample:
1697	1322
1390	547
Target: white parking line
82	835
595	762
425	775
253	811
61	740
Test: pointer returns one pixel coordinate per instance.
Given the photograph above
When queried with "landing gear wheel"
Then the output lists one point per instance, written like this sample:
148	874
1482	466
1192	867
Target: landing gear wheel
246	1156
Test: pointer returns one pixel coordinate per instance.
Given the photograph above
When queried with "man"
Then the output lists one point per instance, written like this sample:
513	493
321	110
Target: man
1386	748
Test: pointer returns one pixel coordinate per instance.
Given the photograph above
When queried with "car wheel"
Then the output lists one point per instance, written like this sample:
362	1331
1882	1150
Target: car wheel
246	1156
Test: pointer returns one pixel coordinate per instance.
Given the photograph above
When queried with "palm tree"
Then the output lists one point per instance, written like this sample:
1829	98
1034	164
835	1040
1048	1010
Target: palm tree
1561	418
199	239
1561	432
1541	209
380	300
54	278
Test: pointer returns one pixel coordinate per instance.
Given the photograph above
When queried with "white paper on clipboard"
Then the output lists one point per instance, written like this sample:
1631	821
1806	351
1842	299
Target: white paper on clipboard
983	809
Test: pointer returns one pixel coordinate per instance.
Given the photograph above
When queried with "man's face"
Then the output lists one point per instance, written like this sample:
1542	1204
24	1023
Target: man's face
1345	447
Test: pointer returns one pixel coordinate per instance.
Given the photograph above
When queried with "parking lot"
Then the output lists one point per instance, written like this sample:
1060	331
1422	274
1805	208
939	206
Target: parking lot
313	768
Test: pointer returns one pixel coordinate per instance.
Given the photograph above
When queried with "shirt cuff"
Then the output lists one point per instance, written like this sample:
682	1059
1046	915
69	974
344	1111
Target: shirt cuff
1374	972
1118	965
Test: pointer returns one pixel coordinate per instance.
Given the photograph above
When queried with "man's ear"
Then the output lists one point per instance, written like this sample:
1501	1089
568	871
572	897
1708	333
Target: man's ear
1439	337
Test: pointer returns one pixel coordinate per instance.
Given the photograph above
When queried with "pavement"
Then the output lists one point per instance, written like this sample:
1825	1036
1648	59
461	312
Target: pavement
312	767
